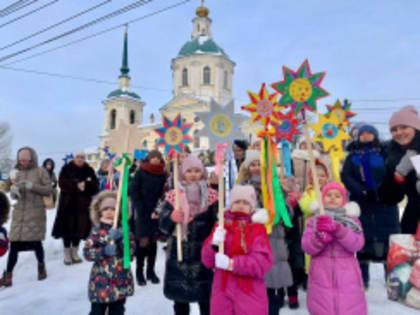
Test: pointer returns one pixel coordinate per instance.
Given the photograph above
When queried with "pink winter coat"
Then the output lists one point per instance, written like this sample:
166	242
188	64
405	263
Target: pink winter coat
335	285
244	292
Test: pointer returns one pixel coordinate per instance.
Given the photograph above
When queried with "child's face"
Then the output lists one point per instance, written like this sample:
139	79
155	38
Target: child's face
333	199
254	168
155	160
322	177
366	137
107	215
193	175
241	206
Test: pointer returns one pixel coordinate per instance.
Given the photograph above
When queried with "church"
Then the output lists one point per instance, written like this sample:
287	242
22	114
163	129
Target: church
202	70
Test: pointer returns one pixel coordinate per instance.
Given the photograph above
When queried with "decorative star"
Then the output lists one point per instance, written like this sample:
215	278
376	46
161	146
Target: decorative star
125	139
173	135
328	132
287	128
67	158
263	107
107	153
300	89
221	124
342	112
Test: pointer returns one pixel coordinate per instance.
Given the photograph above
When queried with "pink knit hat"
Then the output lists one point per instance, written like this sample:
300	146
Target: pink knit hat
337	186
192	161
407	116
243	192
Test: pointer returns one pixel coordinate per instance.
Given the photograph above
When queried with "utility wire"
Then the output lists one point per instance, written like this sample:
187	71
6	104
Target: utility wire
22	6
28	13
12	6
100	33
80	28
55	25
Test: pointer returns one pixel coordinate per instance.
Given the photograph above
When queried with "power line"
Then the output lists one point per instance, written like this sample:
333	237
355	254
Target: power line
28	13
17	8
55	25
101	32
113	14
12	6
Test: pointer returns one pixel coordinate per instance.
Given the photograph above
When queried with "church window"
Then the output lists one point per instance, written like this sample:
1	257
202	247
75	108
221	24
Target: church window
184	77
206	75
196	139
132	116
225	80
112	119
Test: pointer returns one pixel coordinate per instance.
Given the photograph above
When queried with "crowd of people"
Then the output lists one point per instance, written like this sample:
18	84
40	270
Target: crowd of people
327	254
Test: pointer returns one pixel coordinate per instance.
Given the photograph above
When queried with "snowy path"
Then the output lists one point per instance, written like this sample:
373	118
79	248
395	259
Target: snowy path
64	292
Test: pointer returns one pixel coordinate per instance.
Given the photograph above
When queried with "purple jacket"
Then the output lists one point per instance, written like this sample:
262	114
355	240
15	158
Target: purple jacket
251	267
335	285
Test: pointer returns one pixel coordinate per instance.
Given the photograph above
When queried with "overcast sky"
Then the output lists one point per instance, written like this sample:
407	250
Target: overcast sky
369	50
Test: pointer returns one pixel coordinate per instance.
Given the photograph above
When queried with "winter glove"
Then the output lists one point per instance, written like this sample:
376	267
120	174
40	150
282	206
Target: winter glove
325	237
405	166
15	193
27	184
177	216
115	234
110	250
223	262
218	236
326	224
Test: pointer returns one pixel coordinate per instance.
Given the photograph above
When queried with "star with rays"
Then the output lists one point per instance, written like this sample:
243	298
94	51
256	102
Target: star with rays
263	107
328	132
300	89
287	128
173	135
342	112
221	124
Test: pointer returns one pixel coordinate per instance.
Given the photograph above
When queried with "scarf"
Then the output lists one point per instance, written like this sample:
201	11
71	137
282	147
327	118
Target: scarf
339	215
158	169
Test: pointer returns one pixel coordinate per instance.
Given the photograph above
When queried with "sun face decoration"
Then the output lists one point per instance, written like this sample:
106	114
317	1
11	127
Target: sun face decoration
300	89
263	107
327	132
173	135
287	128
342	112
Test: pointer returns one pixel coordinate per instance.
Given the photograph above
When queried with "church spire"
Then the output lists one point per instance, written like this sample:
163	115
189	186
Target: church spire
202	22
124	77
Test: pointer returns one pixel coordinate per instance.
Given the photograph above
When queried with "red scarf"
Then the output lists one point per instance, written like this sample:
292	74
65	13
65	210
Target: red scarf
158	169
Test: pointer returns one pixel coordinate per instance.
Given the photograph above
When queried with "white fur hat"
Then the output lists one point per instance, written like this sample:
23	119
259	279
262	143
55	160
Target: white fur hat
250	156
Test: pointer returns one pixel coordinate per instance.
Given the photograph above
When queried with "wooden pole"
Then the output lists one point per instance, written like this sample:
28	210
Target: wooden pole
178	225
313	166
222	203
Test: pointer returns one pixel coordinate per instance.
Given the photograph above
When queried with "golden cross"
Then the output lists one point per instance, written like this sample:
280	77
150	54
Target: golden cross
202	3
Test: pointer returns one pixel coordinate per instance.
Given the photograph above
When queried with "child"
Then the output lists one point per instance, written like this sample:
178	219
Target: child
189	281
4	215
335	283
109	283
238	285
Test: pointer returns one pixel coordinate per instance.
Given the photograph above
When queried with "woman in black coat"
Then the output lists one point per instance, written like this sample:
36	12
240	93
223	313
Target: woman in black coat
363	173
78	184
401	175
146	188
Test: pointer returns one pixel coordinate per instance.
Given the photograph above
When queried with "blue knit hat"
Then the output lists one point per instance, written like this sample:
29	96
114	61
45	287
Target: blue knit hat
368	128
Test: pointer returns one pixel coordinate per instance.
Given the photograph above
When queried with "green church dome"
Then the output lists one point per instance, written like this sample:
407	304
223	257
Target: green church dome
121	93
201	45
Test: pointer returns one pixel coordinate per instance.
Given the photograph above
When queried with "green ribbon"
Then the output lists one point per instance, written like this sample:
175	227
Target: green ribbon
124	208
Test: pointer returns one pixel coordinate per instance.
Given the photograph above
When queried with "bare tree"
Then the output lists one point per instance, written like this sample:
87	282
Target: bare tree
6	163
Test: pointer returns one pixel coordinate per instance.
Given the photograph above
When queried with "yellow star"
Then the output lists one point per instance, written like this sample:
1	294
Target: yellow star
328	132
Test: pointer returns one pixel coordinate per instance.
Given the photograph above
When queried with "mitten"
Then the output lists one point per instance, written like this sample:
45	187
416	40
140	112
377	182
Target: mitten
223	261
218	236
326	224
177	216
325	237
28	184
110	250
15	193
405	166
115	234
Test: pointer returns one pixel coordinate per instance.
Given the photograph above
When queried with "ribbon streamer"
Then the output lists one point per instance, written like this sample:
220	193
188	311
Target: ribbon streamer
124	208
219	157
335	157
287	160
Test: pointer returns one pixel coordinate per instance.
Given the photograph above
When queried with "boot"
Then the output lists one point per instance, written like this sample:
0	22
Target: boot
6	280
67	256
42	272
151	260
75	256
293	302
141	281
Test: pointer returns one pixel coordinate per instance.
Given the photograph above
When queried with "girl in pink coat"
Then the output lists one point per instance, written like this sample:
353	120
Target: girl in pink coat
335	285
238	283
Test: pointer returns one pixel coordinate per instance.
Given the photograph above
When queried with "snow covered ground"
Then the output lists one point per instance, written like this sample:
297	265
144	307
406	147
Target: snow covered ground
64	292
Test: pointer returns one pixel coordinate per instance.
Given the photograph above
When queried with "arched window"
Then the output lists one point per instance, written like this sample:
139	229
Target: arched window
184	77
196	139
225	80
112	119
132	116
145	143
206	75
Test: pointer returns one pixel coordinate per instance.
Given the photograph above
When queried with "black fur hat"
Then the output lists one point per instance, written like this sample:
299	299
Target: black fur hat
4	208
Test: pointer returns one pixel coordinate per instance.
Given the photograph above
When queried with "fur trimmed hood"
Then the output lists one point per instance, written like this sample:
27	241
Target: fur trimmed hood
304	154
352	208
95	205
